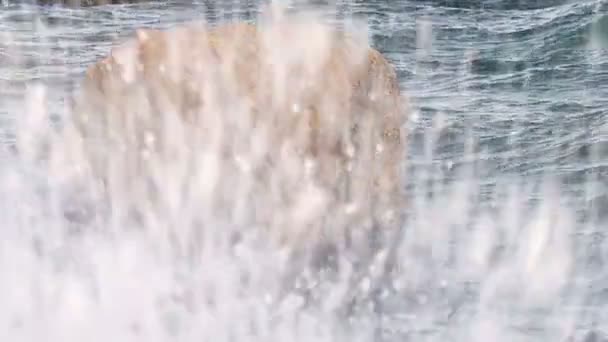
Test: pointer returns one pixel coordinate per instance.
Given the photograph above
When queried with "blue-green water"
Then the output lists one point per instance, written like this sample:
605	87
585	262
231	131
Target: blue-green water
520	87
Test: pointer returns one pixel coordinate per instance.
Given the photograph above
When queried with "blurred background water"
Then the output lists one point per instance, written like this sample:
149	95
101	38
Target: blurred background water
520	89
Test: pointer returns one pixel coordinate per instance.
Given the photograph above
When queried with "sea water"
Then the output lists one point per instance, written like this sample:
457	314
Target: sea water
506	182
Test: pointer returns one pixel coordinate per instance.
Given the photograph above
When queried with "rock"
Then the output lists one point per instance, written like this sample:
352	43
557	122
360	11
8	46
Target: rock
306	118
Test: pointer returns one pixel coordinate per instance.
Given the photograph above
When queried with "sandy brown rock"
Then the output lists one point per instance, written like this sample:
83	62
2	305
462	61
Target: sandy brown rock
312	111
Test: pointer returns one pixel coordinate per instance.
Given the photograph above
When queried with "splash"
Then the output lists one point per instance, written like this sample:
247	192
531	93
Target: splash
74	269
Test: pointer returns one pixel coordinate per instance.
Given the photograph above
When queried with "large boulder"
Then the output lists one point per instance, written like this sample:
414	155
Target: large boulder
303	119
